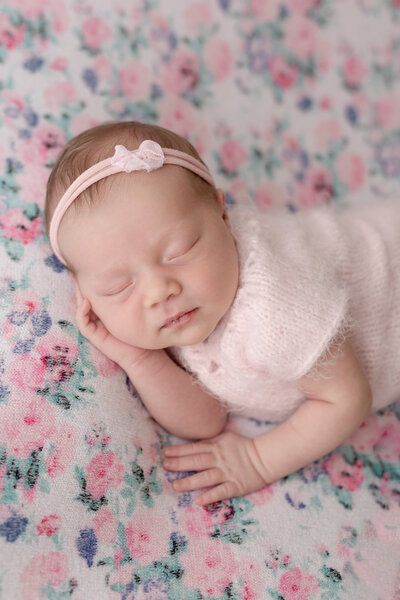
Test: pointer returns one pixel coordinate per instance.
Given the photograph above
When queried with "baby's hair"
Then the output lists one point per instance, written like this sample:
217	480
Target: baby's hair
98	143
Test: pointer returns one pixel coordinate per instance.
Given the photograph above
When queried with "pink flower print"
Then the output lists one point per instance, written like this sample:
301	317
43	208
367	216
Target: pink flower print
14	104
118	555
43	570
282	74
388	445
352	170
198	522
298	585
105	366
123	576
27	301
31	9
239	190
58	353
103	471
303	6
83	121
103	67
26	304
251	578
367	435
158	20
219	58
177	114
342	474
269	194
135	81
10	36
182	73
354	71
48	525
60	17
27	372
33	181
210	569
197	16
49	136
387	110
59	94
325	103
16	226
44	147
65	442
95	32
262	496
105	526
301	37
147	537
233	155
266	11
326	132
317	188
26	424
59	64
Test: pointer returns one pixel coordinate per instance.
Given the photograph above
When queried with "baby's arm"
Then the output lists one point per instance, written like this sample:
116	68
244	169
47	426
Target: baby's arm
338	399
169	393
174	399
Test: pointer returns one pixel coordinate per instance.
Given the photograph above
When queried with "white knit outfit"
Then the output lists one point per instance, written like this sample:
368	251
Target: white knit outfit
305	279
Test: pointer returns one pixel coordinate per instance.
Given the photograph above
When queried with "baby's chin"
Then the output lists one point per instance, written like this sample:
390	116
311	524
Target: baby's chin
191	340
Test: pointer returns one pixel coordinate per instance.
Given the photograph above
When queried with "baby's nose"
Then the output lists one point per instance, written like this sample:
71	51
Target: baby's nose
160	288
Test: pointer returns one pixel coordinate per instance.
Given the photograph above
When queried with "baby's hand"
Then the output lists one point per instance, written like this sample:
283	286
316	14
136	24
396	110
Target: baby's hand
93	329
228	463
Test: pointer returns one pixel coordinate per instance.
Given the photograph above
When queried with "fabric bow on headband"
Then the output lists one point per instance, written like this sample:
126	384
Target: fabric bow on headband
147	157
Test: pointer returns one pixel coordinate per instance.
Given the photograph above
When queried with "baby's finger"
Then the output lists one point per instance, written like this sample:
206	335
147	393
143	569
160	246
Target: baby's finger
220	492
193	462
198	481
186	449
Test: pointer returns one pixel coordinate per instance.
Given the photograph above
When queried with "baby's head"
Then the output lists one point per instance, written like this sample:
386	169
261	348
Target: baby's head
152	251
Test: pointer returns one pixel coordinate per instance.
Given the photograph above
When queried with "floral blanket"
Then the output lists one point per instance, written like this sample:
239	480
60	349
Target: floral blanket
293	102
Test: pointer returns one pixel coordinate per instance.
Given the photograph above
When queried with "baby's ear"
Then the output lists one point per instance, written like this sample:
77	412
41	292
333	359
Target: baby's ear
220	195
222	207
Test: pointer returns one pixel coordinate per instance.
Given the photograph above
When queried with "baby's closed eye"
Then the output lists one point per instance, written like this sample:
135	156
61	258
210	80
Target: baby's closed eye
119	289
181	251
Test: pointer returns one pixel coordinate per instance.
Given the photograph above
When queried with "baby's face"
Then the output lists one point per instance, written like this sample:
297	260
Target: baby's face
158	264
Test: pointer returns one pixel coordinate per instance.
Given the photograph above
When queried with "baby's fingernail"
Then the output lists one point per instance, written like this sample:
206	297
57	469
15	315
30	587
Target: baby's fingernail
167	464
167	451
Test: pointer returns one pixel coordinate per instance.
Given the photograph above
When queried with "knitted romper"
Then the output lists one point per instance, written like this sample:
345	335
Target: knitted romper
305	279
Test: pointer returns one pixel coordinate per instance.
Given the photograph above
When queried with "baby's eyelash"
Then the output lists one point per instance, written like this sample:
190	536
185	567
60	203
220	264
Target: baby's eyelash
180	254
120	290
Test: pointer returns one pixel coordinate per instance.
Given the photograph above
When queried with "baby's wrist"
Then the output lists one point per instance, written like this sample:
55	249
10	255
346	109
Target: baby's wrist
145	363
259	461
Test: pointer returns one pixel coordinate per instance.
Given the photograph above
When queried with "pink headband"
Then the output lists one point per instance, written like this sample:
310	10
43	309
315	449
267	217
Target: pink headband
148	157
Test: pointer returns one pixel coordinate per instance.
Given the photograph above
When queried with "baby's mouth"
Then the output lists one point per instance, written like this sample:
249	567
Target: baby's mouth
180	319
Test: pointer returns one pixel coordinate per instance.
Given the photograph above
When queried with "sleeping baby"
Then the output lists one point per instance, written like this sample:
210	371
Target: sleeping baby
290	318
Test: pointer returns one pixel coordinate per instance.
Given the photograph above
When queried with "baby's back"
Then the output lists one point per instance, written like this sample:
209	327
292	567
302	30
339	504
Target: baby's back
364	245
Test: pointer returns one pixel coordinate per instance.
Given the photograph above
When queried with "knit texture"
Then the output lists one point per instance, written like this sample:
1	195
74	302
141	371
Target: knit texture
305	280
